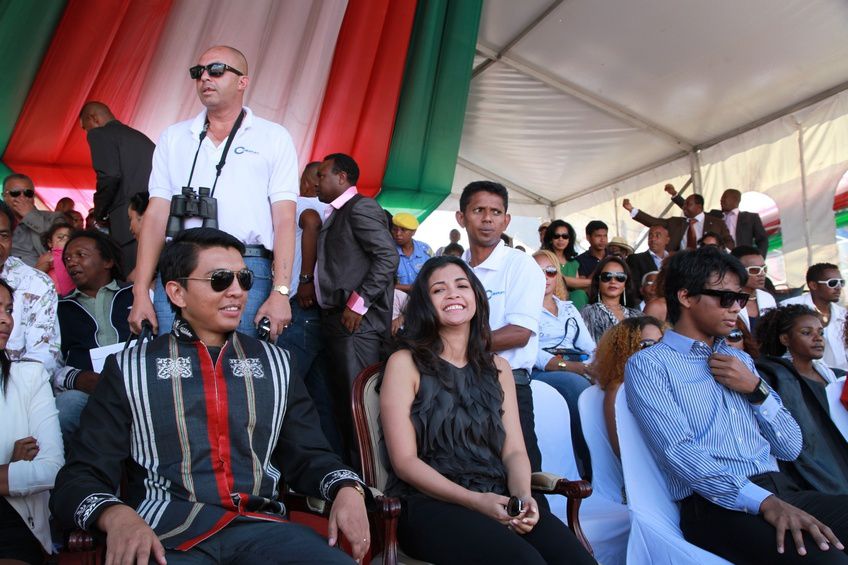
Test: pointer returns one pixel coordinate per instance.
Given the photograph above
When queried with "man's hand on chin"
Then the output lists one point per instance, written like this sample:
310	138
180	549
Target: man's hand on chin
129	539
348	515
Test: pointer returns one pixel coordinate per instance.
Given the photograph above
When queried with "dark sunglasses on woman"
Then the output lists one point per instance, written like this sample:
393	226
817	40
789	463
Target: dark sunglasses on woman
609	276
550	272
221	279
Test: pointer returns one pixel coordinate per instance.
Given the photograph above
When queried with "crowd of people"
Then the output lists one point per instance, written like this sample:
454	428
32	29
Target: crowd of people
257	295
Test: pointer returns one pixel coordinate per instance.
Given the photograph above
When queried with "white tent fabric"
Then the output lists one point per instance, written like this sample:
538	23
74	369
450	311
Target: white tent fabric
575	105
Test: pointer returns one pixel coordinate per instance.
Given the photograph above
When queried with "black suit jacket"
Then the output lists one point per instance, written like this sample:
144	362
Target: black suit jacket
640	263
122	158
356	253
749	228
678	225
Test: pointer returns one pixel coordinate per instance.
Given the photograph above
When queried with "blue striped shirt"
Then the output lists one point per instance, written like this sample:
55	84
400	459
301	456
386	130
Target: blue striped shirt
706	438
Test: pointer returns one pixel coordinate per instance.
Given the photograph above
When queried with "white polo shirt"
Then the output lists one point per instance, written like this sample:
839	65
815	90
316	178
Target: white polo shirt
834	347
261	169
515	286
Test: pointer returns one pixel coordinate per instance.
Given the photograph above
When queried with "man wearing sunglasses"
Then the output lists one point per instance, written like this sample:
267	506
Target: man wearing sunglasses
825	283
19	194
211	423
250	165
716	428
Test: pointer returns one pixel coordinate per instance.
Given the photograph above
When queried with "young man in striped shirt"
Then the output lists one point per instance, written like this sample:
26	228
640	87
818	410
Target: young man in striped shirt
716	428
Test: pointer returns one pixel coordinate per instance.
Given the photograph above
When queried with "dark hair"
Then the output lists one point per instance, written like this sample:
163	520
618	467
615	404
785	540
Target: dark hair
4	209
594	226
698	199
179	258
594	294
108	248
138	202
453	247
548	238
16	176
344	164
420	333
5	362
749	342
711	234
473	188
692	270
816	272
777	322
57	224
745	251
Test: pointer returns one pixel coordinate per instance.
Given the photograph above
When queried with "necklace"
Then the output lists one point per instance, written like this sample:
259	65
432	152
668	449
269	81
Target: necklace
825	317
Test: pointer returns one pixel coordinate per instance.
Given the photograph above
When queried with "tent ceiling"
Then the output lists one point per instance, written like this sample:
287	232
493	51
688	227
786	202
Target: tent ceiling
572	94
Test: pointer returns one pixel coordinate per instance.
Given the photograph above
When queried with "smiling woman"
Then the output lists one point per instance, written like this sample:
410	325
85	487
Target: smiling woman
452	432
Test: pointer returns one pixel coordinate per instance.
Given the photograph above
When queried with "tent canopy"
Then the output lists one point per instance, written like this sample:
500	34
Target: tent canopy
571	96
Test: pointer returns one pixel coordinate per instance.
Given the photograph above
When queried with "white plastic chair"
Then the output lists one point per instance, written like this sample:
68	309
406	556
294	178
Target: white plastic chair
552	424
838	412
655	535
604	515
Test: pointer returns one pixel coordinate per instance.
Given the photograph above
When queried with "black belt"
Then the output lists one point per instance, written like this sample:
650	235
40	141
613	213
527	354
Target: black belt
258	251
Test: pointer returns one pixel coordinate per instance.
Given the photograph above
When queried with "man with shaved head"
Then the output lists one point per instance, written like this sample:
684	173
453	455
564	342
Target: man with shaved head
121	157
249	166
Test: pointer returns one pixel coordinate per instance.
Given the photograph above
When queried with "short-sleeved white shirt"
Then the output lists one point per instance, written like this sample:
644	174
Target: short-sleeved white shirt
304	203
261	169
515	286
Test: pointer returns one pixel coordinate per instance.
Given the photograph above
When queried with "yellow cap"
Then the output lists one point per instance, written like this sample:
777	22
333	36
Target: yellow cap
405	220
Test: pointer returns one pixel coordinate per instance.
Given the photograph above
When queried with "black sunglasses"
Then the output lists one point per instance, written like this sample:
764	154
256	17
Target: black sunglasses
29	193
560	236
734	336
726	298
214	70
608	276
222	279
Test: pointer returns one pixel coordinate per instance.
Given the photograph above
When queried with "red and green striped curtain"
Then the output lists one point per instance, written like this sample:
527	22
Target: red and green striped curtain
383	80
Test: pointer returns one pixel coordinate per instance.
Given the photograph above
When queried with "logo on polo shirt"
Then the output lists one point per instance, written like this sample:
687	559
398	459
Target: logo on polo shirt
242	149
492	293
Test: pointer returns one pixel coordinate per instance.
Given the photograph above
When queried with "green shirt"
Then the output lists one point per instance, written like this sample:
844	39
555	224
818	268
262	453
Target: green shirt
100	307
577	296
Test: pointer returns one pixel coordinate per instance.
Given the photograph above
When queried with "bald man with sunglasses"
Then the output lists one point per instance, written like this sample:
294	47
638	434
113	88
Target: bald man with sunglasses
249	166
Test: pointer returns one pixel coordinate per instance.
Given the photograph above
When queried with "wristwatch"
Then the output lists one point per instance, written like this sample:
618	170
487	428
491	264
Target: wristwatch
562	365
353	484
760	393
304	279
282	289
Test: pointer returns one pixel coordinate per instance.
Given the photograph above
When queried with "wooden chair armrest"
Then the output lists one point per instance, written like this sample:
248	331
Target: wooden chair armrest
575	491
549	483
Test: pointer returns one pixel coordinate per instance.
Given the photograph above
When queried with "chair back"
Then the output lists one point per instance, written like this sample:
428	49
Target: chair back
607	478
365	400
838	412
655	535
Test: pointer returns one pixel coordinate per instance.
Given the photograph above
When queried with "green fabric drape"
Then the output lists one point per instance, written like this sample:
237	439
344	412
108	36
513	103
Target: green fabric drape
26	28
428	126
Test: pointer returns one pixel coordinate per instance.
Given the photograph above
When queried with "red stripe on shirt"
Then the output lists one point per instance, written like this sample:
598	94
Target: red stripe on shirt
217	417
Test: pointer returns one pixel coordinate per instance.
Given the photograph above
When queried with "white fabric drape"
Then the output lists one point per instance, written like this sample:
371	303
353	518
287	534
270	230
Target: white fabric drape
289	46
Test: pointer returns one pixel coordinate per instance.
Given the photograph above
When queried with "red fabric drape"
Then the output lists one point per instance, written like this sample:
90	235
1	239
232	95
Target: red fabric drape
362	94
101	51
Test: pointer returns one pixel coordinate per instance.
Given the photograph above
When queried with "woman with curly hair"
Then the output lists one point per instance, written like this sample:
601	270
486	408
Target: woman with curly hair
615	348
559	239
450	419
792	346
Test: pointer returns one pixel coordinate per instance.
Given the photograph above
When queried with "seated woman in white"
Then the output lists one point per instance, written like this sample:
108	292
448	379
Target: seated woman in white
30	450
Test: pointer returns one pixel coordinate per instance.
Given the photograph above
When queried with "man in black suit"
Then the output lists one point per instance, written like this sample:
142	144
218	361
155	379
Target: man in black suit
650	260
354	276
746	228
122	158
683	232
